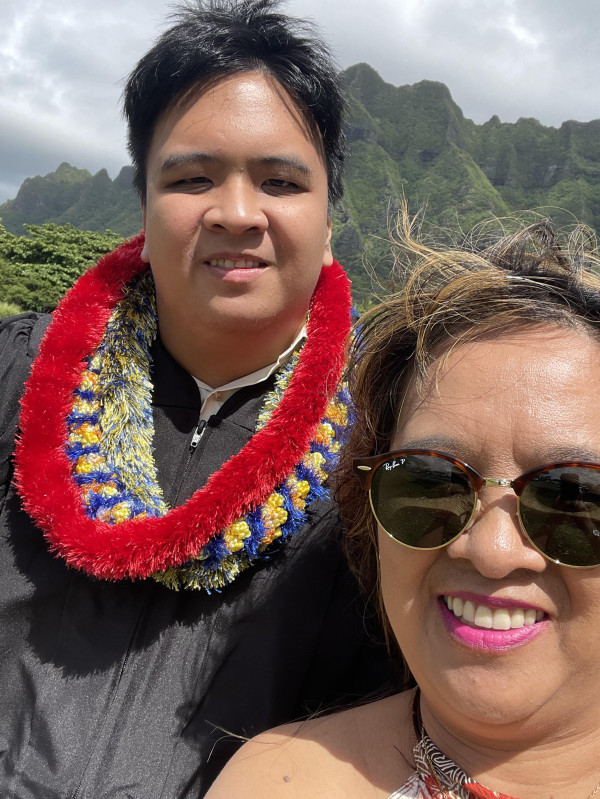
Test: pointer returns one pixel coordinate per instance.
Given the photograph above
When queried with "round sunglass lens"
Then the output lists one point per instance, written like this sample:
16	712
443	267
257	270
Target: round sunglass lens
423	501
560	511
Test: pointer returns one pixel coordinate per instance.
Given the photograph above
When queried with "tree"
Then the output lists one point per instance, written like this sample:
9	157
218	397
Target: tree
37	269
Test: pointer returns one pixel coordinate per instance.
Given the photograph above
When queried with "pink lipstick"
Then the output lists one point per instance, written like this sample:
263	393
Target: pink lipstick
481	635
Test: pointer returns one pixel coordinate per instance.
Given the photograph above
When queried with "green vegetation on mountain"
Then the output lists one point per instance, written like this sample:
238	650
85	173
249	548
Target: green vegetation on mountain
408	142
414	142
75	197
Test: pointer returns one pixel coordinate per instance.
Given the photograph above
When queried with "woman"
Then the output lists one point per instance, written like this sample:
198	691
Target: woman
478	526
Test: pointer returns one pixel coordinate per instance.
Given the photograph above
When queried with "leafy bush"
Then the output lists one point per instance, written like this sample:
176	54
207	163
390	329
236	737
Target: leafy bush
9	309
37	269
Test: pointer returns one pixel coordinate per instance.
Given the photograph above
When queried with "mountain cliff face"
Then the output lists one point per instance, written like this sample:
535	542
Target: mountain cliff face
74	196
405	141
414	142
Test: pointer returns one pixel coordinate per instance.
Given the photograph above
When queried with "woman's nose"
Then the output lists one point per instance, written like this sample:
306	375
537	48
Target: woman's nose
494	542
236	208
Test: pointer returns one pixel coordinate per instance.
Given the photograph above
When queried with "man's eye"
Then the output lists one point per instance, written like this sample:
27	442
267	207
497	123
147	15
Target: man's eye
280	183
196	181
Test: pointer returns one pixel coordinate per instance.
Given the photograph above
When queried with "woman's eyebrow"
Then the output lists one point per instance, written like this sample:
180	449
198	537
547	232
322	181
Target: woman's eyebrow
448	445
552	454
569	453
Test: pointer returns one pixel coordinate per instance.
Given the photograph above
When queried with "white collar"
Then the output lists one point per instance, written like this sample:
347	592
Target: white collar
212	398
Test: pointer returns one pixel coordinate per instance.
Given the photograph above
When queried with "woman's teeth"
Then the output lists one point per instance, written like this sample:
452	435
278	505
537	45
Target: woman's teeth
492	618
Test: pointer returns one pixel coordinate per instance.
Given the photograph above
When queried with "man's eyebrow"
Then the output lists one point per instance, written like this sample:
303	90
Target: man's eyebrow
289	162
175	160
286	162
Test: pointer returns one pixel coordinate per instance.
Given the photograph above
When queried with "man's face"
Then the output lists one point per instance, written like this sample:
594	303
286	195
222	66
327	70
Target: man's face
236	216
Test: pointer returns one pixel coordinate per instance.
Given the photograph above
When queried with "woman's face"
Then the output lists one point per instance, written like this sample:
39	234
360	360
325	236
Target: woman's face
504	406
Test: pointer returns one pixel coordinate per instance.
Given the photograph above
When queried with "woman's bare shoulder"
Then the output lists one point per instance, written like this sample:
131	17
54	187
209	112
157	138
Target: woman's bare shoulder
362	752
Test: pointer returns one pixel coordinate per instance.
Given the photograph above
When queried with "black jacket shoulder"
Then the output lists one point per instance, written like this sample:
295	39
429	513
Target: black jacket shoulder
20	338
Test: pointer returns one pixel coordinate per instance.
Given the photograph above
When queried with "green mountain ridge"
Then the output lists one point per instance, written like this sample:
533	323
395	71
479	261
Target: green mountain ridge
75	196
408	142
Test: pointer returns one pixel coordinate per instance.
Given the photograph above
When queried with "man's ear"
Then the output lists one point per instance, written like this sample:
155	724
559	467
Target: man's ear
144	255
327	254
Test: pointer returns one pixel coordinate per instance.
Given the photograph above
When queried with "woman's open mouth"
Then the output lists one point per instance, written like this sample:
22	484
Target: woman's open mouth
491	628
487	618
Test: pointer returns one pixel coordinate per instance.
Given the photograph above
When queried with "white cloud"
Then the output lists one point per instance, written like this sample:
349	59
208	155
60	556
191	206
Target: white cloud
63	65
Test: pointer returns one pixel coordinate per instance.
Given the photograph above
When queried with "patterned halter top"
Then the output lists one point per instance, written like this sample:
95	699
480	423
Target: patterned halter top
438	777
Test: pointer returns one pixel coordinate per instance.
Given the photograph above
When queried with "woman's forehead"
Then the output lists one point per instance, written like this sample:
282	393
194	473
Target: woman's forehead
539	383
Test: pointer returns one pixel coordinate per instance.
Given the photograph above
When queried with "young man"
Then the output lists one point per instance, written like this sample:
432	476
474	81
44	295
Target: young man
173	579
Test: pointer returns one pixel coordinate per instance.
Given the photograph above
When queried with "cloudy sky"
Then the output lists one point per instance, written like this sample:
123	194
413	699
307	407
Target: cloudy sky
63	64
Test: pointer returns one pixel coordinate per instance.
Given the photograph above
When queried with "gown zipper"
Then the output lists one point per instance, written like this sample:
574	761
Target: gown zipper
197	435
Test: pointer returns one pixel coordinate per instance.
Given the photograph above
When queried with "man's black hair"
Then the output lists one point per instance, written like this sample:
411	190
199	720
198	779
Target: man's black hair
215	38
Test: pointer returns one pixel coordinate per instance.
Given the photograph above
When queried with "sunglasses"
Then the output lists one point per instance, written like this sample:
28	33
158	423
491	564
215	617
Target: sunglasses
425	500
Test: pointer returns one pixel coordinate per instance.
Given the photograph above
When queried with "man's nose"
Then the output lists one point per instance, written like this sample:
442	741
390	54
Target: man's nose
236	208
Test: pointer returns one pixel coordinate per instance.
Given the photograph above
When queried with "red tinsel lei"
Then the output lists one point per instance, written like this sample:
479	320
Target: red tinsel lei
139	547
